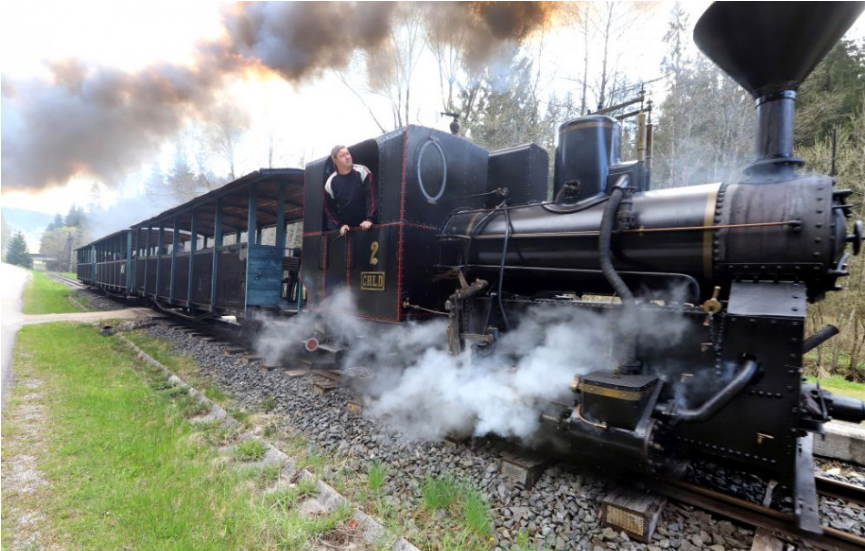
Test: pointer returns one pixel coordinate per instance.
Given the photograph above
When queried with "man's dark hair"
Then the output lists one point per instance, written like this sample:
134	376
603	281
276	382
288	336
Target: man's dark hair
335	150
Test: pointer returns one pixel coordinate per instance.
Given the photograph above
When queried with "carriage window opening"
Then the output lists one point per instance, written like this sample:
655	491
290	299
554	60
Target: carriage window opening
365	153
268	236
294	235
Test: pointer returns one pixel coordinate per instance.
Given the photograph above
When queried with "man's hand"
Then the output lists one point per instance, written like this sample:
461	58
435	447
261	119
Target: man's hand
365	225
344	229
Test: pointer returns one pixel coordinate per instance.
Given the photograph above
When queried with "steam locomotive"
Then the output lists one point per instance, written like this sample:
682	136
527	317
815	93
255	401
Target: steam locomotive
469	235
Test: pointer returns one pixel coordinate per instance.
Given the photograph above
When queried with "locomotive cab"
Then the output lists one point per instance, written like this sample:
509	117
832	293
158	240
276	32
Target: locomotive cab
420	175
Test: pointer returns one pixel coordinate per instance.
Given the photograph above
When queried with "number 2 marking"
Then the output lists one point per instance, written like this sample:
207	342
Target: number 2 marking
374	248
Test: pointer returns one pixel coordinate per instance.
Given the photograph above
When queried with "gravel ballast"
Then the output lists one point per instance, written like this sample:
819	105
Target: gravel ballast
562	509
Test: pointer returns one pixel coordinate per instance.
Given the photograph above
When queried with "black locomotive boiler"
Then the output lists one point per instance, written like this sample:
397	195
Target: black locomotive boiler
735	264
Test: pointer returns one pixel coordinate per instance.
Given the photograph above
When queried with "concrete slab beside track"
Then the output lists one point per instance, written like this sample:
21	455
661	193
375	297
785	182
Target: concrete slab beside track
843	441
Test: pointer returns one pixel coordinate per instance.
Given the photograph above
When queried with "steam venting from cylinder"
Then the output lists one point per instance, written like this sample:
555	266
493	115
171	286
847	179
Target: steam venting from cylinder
770	52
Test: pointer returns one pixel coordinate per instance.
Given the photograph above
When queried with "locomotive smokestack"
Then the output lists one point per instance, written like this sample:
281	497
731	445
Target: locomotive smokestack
769	48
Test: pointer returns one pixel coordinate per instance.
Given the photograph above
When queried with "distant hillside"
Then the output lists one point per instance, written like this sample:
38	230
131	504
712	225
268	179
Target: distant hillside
27	221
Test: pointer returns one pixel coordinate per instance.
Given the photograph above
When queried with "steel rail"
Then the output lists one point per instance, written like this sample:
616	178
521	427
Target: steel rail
780	525
840	490
65	280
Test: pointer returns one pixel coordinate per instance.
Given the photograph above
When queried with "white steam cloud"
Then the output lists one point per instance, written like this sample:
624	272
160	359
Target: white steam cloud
414	385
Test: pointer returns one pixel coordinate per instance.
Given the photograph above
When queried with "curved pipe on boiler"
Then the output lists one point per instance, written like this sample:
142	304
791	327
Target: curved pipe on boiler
605	239
714	404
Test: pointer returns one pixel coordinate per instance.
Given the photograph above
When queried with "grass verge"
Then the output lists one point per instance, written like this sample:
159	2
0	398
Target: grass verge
250	450
463	524
182	365
43	295
124	469
838	385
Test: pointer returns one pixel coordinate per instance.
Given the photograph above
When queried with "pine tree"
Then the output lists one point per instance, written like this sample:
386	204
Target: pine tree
705	125
18	253
76	218
57	223
509	110
832	94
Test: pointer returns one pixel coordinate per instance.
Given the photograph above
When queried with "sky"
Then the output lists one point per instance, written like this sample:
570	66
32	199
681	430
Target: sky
307	110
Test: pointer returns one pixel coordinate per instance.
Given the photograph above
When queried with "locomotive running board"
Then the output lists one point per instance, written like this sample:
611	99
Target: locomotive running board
805	490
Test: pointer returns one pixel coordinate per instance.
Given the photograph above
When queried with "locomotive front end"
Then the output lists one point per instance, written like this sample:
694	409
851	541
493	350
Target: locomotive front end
731	266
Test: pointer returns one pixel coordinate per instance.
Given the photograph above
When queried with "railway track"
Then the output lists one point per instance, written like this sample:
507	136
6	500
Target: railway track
69	282
780	525
777	524
840	490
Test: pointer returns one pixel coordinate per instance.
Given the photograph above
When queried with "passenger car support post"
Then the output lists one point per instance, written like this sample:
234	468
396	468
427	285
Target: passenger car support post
217	242
193	245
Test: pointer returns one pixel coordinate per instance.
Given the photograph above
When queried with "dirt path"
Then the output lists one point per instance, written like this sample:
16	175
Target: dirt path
24	486
126	313
25	489
14	279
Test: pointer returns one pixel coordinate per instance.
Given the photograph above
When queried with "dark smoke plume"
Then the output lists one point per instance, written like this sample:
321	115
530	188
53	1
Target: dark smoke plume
96	121
483	30
103	122
300	39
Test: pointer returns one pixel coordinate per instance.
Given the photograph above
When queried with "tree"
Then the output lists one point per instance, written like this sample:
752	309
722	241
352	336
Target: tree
392	66
95	199
509	112
845	354
603	27
55	243
832	94
706	126
18	253
463	79
182	182
57	222
586	31
224	132
674	60
75	218
446	42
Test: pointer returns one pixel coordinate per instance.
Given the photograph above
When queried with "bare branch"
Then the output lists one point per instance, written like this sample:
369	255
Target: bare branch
344	80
